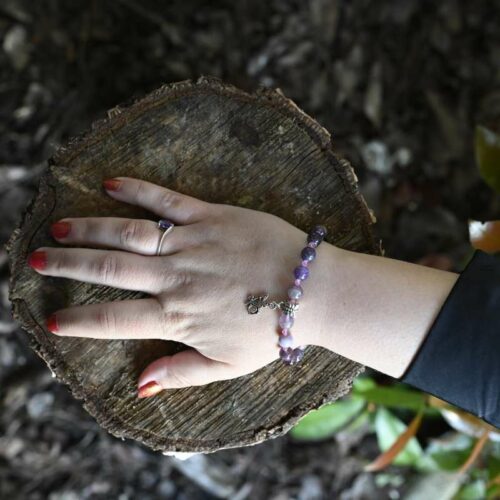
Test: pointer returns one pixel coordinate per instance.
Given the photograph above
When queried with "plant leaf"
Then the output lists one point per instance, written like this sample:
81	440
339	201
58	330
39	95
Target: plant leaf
325	421
493	492
392	396
480	444
487	145
436	485
472	491
450	451
361	384
394	435
494	467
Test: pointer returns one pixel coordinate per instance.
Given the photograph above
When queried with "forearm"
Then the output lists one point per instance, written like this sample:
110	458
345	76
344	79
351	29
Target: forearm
378	310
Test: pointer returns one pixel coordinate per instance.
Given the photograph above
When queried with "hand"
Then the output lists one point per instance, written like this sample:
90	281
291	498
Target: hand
216	256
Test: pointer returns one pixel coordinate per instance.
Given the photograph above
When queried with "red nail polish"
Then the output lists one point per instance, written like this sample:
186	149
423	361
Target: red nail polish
112	184
149	389
52	325
38	260
60	229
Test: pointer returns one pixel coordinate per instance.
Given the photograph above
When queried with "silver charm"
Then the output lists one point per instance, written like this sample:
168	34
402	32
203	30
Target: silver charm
254	303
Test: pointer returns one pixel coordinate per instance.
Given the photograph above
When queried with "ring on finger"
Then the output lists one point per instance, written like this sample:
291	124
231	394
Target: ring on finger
166	226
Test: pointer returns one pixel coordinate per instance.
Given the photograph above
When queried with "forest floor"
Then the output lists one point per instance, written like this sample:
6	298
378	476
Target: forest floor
400	85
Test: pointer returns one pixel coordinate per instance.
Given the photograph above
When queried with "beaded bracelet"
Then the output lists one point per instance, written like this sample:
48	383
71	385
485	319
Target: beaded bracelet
288	354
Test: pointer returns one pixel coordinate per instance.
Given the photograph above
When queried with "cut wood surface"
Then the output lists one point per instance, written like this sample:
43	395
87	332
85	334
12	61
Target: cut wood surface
213	141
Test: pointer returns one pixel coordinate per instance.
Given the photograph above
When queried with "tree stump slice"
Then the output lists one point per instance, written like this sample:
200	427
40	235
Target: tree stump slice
213	141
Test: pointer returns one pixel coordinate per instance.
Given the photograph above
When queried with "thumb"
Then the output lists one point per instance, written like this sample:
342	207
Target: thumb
183	369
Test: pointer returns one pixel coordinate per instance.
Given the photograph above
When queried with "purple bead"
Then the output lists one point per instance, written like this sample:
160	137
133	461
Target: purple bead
308	254
321	230
312	244
285	341
286	321
298	282
314	237
164	224
285	354
296	356
295	292
301	272
285	331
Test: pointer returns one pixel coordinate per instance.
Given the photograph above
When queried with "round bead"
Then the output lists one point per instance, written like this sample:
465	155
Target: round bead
308	253
295	292
285	331
286	321
314	237
312	244
304	263
320	230
285	354
298	282
296	356
301	272
285	342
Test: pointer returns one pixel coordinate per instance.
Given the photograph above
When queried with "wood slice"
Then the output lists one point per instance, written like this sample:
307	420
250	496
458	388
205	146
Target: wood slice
215	142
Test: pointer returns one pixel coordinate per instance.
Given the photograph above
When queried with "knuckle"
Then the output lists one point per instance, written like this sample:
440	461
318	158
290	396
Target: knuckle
173	318
169	199
106	321
106	267
178	379
59	261
169	278
175	325
130	233
182	278
140	190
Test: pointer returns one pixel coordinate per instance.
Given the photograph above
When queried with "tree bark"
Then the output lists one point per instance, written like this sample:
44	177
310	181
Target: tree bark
215	142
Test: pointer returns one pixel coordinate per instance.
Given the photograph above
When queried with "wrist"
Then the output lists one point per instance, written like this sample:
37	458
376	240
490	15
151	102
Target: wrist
375	310
314	318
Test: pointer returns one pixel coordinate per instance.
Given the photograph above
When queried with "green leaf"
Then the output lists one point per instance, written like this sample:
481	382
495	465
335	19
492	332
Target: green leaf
472	491
436	485
450	453
493	492
361	384
487	145
388	428
392	396
325	421
493	466
360	420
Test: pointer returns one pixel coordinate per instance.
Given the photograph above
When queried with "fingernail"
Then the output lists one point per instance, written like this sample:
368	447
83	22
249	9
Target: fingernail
112	184
52	325
38	260
60	229
149	389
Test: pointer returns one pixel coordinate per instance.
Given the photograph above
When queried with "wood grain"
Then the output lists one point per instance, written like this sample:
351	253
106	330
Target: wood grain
213	141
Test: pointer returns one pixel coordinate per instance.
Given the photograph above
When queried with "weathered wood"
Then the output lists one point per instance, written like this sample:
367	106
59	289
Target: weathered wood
218	143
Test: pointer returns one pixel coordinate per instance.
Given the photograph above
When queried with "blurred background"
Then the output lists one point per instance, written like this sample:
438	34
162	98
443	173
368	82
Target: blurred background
405	87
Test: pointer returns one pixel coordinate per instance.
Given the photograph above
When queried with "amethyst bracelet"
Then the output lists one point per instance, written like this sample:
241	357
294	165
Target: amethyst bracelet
288	353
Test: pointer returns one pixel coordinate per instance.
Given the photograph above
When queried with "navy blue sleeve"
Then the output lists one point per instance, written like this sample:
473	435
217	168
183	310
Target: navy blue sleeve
459	359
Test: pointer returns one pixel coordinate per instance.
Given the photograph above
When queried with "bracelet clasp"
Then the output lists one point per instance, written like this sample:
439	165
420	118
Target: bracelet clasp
254	303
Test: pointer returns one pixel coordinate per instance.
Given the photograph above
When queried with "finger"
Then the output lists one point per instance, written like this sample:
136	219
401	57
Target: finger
125	319
106	267
139	236
181	208
184	369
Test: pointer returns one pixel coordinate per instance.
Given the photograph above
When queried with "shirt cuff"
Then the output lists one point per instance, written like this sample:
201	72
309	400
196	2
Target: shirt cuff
459	360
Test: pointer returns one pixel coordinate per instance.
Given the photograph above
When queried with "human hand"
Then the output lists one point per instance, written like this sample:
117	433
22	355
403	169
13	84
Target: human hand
216	256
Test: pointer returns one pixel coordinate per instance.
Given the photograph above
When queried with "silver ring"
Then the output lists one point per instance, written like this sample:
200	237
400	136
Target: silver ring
166	226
